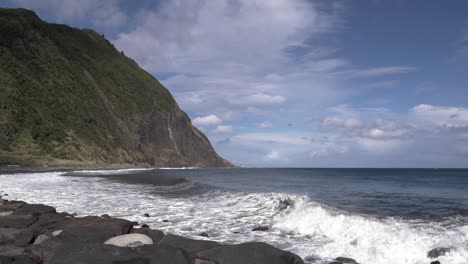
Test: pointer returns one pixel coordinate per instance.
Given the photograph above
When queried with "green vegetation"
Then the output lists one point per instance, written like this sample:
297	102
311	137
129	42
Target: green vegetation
69	94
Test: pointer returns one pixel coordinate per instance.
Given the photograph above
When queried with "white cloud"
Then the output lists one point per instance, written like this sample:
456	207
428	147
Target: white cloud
261	99
273	156
206	120
103	13
265	125
440	115
223	129
377	72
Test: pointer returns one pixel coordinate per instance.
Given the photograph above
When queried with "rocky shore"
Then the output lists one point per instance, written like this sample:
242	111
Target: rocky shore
38	234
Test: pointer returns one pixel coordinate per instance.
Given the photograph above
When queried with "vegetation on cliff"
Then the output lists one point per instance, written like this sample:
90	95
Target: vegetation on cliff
69	97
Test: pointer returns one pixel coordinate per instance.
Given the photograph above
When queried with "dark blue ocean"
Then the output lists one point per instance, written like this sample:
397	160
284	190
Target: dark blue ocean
372	215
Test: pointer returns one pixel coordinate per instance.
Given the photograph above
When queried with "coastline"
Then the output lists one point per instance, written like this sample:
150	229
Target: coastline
37	233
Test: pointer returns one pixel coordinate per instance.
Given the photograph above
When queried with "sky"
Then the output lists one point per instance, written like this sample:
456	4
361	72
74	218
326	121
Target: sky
301	83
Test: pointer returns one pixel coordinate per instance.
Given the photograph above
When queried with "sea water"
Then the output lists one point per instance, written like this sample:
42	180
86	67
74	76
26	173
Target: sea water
376	216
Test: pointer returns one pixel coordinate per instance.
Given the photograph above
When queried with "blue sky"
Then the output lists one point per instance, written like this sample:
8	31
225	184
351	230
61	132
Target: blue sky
302	83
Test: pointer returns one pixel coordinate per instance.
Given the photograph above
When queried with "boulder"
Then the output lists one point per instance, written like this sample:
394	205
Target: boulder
155	235
16	221
204	234
10	207
191	246
129	240
20	259
10	251
91	229
34	209
57	232
17	237
249	253
146	215
48	223
346	260
54	251
435	262
437	252
261	228
40	239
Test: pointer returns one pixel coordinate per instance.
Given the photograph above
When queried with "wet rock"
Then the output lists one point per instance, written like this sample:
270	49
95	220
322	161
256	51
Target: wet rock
40	239
346	260
17	237
435	262
144	226
437	252
284	204
129	240
155	235
105	216
204	234
165	221
249	253
34	209
191	246
146	215
261	228
16	221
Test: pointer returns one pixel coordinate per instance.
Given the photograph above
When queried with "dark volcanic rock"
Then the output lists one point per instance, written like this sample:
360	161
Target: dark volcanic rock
34	209
48	223
71	252
16	221
10	207
249	253
346	260
146	215
261	228
437	252
10	251
155	235
15	237
435	262
204	234
191	246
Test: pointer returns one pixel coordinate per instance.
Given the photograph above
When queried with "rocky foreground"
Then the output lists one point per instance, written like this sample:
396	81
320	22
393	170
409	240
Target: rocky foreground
36	233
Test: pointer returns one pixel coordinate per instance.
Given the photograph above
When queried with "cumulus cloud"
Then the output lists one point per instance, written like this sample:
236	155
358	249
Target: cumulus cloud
273	156
208	120
261	99
441	115
223	129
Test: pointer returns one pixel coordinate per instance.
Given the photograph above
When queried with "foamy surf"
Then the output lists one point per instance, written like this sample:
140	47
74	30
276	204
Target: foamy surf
312	230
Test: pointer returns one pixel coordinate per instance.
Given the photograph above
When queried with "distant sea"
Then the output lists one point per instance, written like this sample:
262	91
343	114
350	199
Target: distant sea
376	216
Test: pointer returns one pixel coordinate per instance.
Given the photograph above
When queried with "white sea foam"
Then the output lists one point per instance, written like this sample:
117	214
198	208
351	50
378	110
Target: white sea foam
307	228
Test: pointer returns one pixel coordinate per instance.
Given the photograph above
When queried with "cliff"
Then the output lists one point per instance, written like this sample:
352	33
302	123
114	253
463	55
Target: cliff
68	97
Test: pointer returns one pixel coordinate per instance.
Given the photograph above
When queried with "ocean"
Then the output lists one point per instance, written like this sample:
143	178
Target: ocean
375	216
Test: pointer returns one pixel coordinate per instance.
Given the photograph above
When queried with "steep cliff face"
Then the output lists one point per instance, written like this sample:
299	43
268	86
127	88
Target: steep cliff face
68	97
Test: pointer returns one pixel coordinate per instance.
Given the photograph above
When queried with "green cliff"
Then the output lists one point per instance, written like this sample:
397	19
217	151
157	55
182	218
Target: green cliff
68	97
